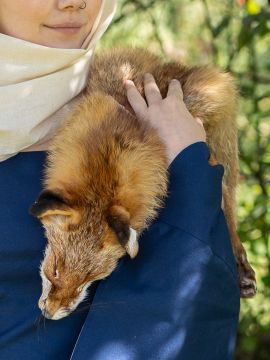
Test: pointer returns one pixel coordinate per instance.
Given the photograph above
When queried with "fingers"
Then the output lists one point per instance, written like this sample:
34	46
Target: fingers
135	99
151	90
152	94
175	89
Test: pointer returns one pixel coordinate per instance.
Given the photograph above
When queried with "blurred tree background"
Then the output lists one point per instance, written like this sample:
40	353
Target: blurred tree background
234	35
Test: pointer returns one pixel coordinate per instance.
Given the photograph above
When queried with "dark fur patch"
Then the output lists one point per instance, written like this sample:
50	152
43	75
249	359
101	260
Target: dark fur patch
47	200
120	227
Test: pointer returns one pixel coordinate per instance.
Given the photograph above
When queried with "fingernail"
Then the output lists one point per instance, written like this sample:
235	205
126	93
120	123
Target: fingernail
175	80
128	83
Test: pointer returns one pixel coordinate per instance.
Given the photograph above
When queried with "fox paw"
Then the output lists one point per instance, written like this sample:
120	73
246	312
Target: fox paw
247	279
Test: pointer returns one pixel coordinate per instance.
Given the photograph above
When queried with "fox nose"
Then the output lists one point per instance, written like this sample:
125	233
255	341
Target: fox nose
46	314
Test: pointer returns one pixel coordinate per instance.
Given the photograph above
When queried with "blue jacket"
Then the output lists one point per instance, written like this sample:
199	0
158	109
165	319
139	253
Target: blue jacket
178	299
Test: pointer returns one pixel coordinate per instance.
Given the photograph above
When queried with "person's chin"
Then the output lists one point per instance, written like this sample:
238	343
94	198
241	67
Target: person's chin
68	44
63	38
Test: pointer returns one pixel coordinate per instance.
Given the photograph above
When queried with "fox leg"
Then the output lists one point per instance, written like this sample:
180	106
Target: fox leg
246	274
212	96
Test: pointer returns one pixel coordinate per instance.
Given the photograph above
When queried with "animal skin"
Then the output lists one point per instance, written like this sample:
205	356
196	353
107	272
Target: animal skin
106	173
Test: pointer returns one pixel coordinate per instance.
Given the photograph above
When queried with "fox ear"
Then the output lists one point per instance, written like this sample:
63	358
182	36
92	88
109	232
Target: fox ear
51	208
118	220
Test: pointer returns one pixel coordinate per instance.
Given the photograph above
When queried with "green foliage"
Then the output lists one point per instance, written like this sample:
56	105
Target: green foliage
234	35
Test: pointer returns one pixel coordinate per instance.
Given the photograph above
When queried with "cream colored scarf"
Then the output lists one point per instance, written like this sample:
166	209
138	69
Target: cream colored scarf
37	81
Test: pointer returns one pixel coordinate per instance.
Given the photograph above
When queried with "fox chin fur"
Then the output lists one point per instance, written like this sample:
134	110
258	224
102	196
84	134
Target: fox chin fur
106	173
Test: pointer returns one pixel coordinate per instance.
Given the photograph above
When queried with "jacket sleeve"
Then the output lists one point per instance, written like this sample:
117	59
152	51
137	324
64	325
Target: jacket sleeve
179	298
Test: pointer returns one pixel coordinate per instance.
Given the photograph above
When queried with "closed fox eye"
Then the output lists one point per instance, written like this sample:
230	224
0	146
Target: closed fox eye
56	274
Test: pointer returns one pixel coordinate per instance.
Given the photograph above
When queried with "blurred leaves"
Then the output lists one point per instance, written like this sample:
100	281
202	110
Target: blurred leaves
253	25
234	35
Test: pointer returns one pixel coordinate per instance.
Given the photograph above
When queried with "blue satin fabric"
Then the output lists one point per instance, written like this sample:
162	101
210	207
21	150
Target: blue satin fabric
178	299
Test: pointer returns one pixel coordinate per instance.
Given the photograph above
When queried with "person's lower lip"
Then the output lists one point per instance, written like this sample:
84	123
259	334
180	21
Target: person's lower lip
65	30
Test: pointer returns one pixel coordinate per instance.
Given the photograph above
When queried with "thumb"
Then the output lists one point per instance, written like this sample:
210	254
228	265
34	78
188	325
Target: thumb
199	121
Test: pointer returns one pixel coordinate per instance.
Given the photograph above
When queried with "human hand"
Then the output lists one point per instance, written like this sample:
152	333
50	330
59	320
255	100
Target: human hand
170	116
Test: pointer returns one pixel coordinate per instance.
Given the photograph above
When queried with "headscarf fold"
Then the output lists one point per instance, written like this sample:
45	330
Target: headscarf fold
39	83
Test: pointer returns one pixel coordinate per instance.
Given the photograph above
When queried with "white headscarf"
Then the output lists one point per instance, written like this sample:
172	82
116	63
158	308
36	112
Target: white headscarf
37	81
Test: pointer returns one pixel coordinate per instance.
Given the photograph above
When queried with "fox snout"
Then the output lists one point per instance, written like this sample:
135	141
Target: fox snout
54	309
56	303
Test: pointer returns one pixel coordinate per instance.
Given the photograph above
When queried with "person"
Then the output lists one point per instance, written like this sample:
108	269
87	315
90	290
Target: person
179	298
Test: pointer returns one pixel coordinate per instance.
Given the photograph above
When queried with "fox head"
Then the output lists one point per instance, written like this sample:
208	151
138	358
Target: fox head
105	179
84	245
